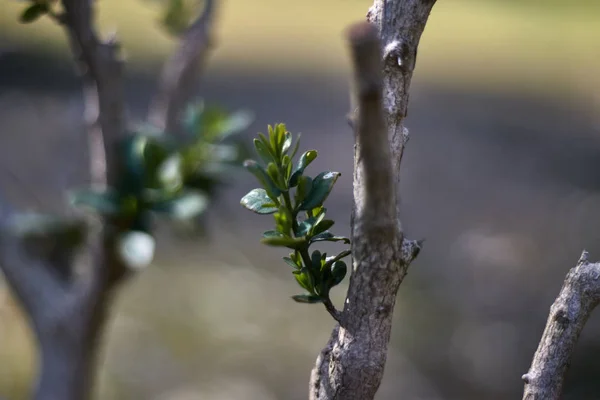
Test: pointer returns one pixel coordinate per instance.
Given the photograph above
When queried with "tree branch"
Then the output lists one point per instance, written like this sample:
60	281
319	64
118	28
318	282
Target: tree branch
181	72
68	312
579	295
351	366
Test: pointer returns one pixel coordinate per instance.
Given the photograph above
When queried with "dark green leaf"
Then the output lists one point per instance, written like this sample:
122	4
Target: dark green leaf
323	226
262	176
307	298
33	12
305	159
105	202
321	188
303	189
338	272
259	202
316	260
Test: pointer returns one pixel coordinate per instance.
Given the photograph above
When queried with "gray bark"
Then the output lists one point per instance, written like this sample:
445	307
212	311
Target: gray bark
352	364
579	295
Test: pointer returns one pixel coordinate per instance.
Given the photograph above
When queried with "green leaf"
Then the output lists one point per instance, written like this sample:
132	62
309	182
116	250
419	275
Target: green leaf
262	176
322	225
189	204
307	298
321	188
287	142
284	241
283	221
105	202
273	172
136	249
263	151
303	189
291	263
305	159
316	260
34	11
259	202
329	237
303	279
338	272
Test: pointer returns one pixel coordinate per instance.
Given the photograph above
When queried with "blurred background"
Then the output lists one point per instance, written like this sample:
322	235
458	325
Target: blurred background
501	177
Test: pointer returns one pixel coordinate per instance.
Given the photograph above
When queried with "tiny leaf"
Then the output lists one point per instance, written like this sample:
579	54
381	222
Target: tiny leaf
262	176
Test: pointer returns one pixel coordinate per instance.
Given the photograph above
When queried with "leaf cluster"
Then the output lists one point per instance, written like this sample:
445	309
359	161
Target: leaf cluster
296	202
165	176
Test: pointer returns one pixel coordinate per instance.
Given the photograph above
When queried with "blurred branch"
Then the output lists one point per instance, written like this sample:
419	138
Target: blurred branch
68	314
181	72
579	295
351	365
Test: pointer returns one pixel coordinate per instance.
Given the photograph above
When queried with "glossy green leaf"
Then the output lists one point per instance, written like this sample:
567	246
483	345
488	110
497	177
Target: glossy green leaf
329	237
305	159
338	272
321	188
273	173
307	298
105	202
316	258
262	176
322	226
33	12
259	202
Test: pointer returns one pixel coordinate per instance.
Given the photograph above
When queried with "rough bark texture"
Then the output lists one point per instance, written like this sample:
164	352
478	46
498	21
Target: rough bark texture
68	313
579	295
351	366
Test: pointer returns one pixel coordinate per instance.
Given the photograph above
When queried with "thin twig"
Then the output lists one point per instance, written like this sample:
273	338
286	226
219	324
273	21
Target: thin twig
181	72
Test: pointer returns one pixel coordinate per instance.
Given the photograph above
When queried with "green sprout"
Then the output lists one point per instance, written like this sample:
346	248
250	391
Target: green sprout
299	217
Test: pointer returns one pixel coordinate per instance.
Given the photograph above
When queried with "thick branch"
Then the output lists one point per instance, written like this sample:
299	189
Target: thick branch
181	72
579	295
352	364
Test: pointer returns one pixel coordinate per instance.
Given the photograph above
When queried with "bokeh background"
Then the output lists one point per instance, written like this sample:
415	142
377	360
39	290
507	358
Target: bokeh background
501	177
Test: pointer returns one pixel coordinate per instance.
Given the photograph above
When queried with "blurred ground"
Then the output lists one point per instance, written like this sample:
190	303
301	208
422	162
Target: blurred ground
501	176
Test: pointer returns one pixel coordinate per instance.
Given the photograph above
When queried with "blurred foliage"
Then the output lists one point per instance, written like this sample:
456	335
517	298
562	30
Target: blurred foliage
316	273
163	175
